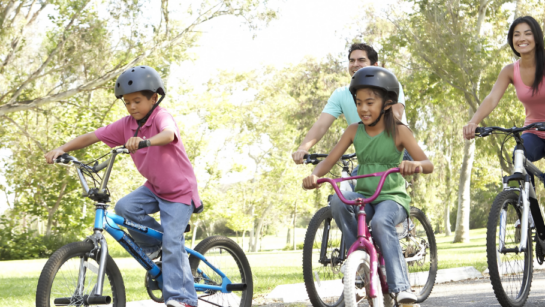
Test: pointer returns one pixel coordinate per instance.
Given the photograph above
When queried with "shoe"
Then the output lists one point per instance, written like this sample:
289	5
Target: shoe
405	297
173	303
154	255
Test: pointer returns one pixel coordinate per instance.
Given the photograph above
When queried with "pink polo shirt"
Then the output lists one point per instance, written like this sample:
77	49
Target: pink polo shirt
533	105
167	168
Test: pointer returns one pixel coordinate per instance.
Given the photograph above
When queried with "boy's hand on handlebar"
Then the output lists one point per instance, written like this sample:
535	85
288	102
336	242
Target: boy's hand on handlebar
132	144
407	168
469	130
298	156
52	155
311	182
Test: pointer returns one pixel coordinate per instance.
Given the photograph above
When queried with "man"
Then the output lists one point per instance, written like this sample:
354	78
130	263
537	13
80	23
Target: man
342	102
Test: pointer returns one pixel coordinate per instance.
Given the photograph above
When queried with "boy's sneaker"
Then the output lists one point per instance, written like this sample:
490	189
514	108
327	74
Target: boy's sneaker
173	303
154	255
405	297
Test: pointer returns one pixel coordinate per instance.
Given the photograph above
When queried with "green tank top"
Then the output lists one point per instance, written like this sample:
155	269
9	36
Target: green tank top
377	154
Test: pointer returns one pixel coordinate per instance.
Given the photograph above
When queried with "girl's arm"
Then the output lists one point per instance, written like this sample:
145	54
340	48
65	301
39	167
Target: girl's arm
407	141
490	102
80	142
327	164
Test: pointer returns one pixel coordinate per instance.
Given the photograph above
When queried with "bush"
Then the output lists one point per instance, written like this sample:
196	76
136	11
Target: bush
23	245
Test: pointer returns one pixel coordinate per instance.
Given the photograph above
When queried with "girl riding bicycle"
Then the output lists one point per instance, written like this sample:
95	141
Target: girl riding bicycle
379	140
171	186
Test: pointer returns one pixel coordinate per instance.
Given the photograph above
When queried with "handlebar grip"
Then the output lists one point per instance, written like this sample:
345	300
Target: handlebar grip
64	158
478	130
144	144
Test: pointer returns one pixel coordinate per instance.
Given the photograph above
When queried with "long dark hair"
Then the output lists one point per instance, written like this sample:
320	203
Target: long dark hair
538	38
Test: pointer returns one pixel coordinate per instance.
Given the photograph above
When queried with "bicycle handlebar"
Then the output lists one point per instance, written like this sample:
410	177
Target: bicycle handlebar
313	158
361	201
485	131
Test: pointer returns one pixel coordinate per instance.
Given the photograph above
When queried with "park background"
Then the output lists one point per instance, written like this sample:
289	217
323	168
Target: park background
246	79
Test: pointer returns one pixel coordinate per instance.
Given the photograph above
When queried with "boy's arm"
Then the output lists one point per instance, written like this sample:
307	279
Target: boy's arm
80	142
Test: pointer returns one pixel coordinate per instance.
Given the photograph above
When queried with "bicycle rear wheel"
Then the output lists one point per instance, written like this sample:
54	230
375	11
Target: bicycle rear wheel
322	262
228	257
510	272
420	246
59	277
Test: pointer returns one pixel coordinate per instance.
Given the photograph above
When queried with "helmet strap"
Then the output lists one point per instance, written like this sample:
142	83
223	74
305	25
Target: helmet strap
142	121
381	113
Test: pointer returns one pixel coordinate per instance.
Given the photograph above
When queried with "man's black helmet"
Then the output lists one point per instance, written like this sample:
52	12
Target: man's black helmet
139	78
376	77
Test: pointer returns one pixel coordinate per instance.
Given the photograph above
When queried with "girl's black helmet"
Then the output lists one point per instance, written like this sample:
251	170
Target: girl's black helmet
139	78
374	76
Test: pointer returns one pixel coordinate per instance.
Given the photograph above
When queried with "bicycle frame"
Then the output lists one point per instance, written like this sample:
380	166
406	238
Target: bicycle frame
110	222
364	240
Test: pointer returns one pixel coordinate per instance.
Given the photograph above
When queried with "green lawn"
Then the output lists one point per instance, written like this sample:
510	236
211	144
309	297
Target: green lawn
18	279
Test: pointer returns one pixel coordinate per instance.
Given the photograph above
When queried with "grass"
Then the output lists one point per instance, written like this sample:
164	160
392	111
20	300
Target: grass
18	279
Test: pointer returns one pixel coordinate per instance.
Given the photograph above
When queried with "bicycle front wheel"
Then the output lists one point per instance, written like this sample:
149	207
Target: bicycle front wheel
224	254
357	281
59	278
510	272
322	260
420	252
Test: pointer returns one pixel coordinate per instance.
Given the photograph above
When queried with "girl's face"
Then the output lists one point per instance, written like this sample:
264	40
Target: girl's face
368	105
138	105
523	38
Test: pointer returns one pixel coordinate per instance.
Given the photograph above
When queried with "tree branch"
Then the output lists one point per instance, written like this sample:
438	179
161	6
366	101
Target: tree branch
24	132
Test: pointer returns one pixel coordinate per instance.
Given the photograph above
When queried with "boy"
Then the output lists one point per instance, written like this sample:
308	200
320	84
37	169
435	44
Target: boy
171	186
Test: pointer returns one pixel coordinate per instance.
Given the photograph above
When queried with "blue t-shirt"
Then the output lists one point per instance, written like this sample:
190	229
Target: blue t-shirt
342	102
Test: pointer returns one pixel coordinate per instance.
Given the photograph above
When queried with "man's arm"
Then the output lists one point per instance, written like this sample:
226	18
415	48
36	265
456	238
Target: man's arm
398	110
314	135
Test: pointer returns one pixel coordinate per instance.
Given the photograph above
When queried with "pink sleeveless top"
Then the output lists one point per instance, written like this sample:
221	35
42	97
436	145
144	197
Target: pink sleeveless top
534	105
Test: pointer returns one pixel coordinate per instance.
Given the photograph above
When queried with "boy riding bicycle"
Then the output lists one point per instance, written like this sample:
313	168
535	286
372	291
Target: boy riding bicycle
379	140
171	186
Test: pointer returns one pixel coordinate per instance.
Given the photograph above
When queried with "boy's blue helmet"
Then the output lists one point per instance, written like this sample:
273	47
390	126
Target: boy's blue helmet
139	78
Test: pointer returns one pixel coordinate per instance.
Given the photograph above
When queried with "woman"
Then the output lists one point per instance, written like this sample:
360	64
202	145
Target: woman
526	40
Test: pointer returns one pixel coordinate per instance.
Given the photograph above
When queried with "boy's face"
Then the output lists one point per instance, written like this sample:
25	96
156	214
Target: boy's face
368	105
358	59
138	105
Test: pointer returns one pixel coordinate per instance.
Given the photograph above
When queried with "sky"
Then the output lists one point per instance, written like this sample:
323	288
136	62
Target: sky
303	28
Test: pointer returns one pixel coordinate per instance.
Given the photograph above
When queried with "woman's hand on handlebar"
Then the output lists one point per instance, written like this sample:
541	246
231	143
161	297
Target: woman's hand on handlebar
52	155
311	182
407	168
469	130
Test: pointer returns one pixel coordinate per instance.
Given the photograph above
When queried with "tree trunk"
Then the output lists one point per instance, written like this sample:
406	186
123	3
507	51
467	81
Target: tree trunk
252	232
260	225
54	209
464	193
448	198
242	245
288	237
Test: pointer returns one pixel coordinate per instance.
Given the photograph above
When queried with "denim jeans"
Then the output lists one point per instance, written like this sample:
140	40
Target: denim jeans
534	149
177	277
385	216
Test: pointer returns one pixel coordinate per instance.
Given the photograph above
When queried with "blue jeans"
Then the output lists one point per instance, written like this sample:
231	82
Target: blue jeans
177	277
386	215
534	149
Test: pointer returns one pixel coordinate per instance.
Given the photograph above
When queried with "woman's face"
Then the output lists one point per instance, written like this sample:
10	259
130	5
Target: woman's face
523	39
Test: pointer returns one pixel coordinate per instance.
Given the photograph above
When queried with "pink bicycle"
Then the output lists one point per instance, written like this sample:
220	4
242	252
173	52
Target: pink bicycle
364	273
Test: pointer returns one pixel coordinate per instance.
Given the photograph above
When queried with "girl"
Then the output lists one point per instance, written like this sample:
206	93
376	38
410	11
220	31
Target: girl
379	140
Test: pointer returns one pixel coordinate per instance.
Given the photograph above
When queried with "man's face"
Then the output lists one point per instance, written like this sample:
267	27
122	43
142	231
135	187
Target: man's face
358	59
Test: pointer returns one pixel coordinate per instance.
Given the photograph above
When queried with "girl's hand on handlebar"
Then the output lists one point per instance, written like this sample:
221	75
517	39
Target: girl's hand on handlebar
407	168
132	144
469	130
311	182
52	155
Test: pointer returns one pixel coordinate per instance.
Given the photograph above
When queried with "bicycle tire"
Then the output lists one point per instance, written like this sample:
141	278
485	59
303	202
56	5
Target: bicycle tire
358	265
232	263
60	262
423	232
507	201
311	265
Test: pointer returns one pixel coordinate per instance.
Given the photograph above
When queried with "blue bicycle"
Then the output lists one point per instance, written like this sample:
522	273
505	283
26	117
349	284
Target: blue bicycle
84	274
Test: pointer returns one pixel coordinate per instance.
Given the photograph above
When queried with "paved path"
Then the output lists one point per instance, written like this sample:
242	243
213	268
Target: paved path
470	293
